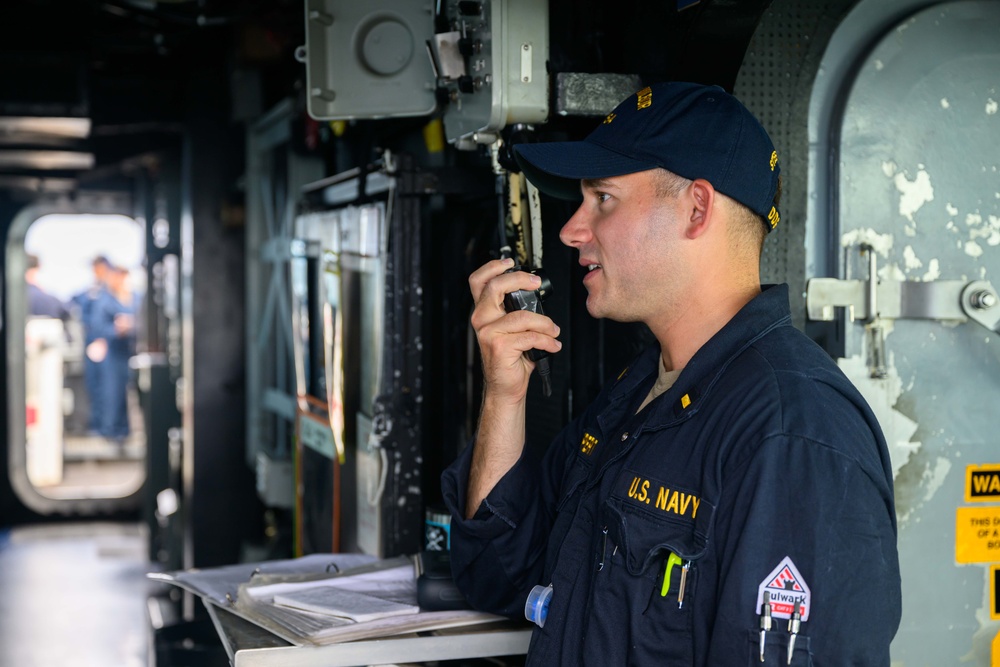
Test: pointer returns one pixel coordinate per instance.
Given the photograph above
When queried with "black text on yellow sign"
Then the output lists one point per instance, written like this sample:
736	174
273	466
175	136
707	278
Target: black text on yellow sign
977	535
982	482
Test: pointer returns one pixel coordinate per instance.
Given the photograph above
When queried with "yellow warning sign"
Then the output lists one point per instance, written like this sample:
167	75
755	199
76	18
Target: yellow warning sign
977	535
982	482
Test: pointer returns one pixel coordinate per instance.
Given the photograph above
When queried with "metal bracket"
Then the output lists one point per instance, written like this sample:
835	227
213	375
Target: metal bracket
893	299
981	303
873	299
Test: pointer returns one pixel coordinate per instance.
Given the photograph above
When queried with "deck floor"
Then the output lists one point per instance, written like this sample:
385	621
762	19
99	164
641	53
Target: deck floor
73	594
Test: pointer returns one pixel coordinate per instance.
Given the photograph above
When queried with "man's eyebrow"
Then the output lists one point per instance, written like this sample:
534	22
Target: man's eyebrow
591	183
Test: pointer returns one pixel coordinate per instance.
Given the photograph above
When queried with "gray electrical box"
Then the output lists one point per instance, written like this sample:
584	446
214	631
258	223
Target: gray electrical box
382	59
493	65
369	59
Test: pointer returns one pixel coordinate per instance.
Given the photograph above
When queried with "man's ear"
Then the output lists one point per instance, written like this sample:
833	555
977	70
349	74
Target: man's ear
701	200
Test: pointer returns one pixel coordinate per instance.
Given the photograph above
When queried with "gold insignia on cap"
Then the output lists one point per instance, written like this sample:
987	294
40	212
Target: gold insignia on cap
645	98
610	117
774	159
772	217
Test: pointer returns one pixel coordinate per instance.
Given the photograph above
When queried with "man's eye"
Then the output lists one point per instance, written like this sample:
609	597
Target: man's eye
603	197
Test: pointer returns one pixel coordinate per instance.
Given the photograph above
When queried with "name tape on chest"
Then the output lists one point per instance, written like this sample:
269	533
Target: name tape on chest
656	495
786	587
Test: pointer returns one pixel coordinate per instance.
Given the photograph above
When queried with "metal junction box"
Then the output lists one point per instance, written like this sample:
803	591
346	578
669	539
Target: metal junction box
493	65
369	59
383	59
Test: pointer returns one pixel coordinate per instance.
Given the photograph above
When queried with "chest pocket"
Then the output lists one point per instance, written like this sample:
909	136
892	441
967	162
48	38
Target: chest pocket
635	610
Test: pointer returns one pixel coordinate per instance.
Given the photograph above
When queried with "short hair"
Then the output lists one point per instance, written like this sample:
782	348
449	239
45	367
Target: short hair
32	261
748	226
751	227
668	184
101	259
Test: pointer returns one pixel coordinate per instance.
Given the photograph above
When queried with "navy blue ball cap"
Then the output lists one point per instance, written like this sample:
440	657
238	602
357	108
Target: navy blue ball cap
692	130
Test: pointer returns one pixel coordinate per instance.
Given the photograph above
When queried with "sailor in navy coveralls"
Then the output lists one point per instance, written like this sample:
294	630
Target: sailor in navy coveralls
727	500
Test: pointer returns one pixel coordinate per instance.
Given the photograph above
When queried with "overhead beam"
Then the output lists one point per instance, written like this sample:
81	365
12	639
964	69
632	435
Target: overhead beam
45	160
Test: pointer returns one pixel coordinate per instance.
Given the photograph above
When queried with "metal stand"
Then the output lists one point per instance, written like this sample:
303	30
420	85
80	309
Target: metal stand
250	646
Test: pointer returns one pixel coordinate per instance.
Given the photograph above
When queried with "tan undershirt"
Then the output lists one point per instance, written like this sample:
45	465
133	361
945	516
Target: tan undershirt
665	380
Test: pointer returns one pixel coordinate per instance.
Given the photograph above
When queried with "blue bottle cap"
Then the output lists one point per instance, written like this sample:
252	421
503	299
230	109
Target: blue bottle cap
536	607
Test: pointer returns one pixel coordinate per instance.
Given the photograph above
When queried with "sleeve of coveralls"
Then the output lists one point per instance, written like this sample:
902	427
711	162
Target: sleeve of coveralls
830	515
499	554
102	317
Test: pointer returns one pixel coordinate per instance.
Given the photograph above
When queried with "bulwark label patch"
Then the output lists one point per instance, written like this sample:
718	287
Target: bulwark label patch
786	587
982	482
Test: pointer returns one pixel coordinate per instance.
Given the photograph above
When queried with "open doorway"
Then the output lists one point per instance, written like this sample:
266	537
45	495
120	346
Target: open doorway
83	295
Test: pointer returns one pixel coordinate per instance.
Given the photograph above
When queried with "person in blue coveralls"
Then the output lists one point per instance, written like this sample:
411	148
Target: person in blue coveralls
84	303
113	321
728	498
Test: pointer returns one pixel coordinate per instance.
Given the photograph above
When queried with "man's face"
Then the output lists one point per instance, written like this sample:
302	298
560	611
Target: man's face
628	237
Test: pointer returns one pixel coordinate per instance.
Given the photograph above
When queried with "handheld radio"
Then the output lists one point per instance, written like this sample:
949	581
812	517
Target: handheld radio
531	300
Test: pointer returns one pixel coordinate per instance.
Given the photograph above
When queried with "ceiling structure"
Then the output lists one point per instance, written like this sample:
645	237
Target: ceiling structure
88	87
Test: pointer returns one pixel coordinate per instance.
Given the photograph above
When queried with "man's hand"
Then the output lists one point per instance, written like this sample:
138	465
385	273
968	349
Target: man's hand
503	339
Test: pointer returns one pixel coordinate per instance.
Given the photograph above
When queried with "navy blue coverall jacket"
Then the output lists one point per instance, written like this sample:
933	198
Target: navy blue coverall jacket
762	470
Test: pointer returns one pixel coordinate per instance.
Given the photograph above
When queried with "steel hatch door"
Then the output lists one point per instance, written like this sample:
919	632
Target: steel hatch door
919	185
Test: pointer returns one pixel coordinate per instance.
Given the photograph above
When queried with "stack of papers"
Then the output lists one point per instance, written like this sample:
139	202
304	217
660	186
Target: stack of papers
328	599
221	584
334	601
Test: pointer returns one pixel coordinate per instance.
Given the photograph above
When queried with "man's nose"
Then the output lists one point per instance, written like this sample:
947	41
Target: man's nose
576	231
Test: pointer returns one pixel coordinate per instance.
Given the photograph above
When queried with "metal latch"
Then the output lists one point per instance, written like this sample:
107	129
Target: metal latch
873	300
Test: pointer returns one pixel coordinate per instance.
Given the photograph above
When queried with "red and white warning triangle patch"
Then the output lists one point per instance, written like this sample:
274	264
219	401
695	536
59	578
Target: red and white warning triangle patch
786	586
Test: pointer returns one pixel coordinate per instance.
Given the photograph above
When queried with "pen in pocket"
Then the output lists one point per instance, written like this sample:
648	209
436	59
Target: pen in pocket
674	559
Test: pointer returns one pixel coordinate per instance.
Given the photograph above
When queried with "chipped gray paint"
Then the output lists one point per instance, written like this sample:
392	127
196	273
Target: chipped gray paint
883	395
913	194
918	182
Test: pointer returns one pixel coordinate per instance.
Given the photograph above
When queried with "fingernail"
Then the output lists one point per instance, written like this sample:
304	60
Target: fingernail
559	344
536	280
508	261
